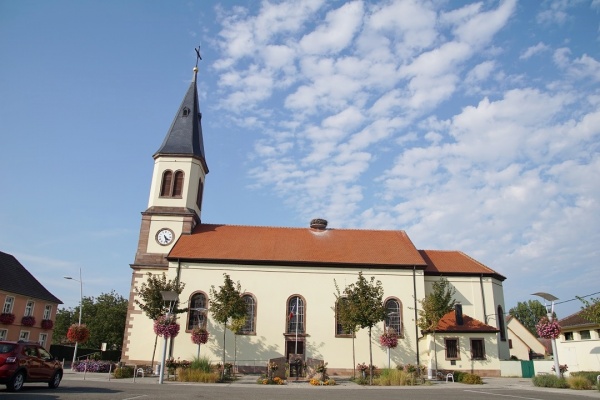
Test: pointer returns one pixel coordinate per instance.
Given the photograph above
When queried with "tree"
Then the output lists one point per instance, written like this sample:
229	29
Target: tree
365	308
225	304
151	302
104	316
434	306
345	316
529	314
591	309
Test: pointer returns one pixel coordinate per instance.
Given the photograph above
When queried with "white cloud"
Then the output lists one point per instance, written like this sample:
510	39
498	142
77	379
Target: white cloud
533	50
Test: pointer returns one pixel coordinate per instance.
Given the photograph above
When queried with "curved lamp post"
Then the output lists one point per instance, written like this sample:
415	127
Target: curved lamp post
171	297
80	310
550	311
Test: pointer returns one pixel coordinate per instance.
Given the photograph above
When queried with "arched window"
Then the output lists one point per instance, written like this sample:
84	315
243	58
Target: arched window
185	112
339	327
500	317
165	187
250	326
295	315
197	311
178	184
393	315
200	193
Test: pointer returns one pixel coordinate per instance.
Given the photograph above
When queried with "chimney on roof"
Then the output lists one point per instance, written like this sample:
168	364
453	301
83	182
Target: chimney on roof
318	223
458	314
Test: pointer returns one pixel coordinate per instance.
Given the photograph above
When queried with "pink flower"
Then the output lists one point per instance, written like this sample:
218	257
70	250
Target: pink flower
166	327
199	335
548	330
389	339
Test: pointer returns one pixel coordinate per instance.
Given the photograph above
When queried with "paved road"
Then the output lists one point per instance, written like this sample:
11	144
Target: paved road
74	387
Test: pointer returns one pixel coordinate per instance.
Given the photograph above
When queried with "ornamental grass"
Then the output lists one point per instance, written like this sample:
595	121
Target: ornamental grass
197	375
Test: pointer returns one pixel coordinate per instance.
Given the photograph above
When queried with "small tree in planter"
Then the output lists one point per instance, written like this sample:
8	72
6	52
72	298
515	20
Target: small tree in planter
78	333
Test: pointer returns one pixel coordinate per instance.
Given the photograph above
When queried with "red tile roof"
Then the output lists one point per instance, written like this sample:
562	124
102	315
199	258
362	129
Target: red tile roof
444	262
256	244
575	320
448	324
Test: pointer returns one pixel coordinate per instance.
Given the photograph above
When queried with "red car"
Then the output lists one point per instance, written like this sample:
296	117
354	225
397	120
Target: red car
27	362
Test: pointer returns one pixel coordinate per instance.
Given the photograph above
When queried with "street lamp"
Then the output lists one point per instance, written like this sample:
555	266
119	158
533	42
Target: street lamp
390	315
172	298
550	311
200	311
80	310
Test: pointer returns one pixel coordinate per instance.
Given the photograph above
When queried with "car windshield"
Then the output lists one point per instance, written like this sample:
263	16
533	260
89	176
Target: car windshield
6	348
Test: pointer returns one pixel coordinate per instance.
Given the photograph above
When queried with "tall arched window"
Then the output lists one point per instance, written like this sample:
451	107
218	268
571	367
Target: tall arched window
500	317
295	315
393	315
178	184
165	187
197	311
250	326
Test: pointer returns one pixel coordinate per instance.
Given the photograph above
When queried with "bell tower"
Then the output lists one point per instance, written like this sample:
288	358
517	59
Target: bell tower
176	191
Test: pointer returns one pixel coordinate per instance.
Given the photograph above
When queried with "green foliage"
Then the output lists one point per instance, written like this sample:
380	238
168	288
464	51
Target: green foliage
202	364
591	309
458	375
471	379
227	302
149	298
123	372
529	314
196	375
395	377
364	307
579	383
589	375
104	316
551	381
436	304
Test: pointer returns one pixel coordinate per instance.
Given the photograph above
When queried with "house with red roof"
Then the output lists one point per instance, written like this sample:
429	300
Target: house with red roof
288	277
28	308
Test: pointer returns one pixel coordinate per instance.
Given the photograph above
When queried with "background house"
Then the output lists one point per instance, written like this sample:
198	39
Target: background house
26	303
522	343
579	343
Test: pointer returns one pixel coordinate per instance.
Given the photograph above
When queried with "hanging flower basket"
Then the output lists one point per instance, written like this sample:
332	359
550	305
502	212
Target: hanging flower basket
389	339
7	318
78	333
47	324
28	321
548	330
166	327
199	335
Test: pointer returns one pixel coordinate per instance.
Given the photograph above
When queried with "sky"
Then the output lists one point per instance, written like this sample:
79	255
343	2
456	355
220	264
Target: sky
472	126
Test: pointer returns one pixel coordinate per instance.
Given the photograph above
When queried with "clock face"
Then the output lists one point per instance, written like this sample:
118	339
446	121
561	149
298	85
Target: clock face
164	236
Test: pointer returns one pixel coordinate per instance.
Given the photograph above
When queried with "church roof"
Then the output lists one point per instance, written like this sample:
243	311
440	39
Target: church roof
469	325
185	134
339	247
16	279
452	262
256	244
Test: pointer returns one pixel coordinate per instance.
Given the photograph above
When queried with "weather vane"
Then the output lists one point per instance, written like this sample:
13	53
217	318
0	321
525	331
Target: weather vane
198	56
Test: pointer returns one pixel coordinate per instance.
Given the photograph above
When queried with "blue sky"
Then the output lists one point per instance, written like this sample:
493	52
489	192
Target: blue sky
472	126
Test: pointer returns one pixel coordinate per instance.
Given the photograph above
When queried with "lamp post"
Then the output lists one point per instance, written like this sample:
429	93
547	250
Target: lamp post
390	315
172	298
201	311
80	310
550	311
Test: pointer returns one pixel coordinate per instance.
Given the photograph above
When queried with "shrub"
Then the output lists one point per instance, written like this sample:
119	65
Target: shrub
579	383
202	364
394	377
92	366
197	375
591	376
471	379
551	381
123	372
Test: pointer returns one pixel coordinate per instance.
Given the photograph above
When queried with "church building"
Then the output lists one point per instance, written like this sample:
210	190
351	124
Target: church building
286	271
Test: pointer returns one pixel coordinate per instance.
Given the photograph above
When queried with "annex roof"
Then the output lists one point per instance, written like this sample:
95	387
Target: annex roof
575	320
470	325
452	262
16	279
261	244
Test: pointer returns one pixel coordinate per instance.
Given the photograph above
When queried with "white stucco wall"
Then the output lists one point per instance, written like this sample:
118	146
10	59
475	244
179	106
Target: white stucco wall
580	354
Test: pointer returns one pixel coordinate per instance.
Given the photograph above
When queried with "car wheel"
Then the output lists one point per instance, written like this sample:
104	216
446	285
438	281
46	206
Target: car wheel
16	383
55	381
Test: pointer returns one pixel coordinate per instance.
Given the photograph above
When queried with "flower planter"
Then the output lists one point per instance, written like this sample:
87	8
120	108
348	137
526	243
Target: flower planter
199	336
166	327
78	333
7	318
47	324
28	321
